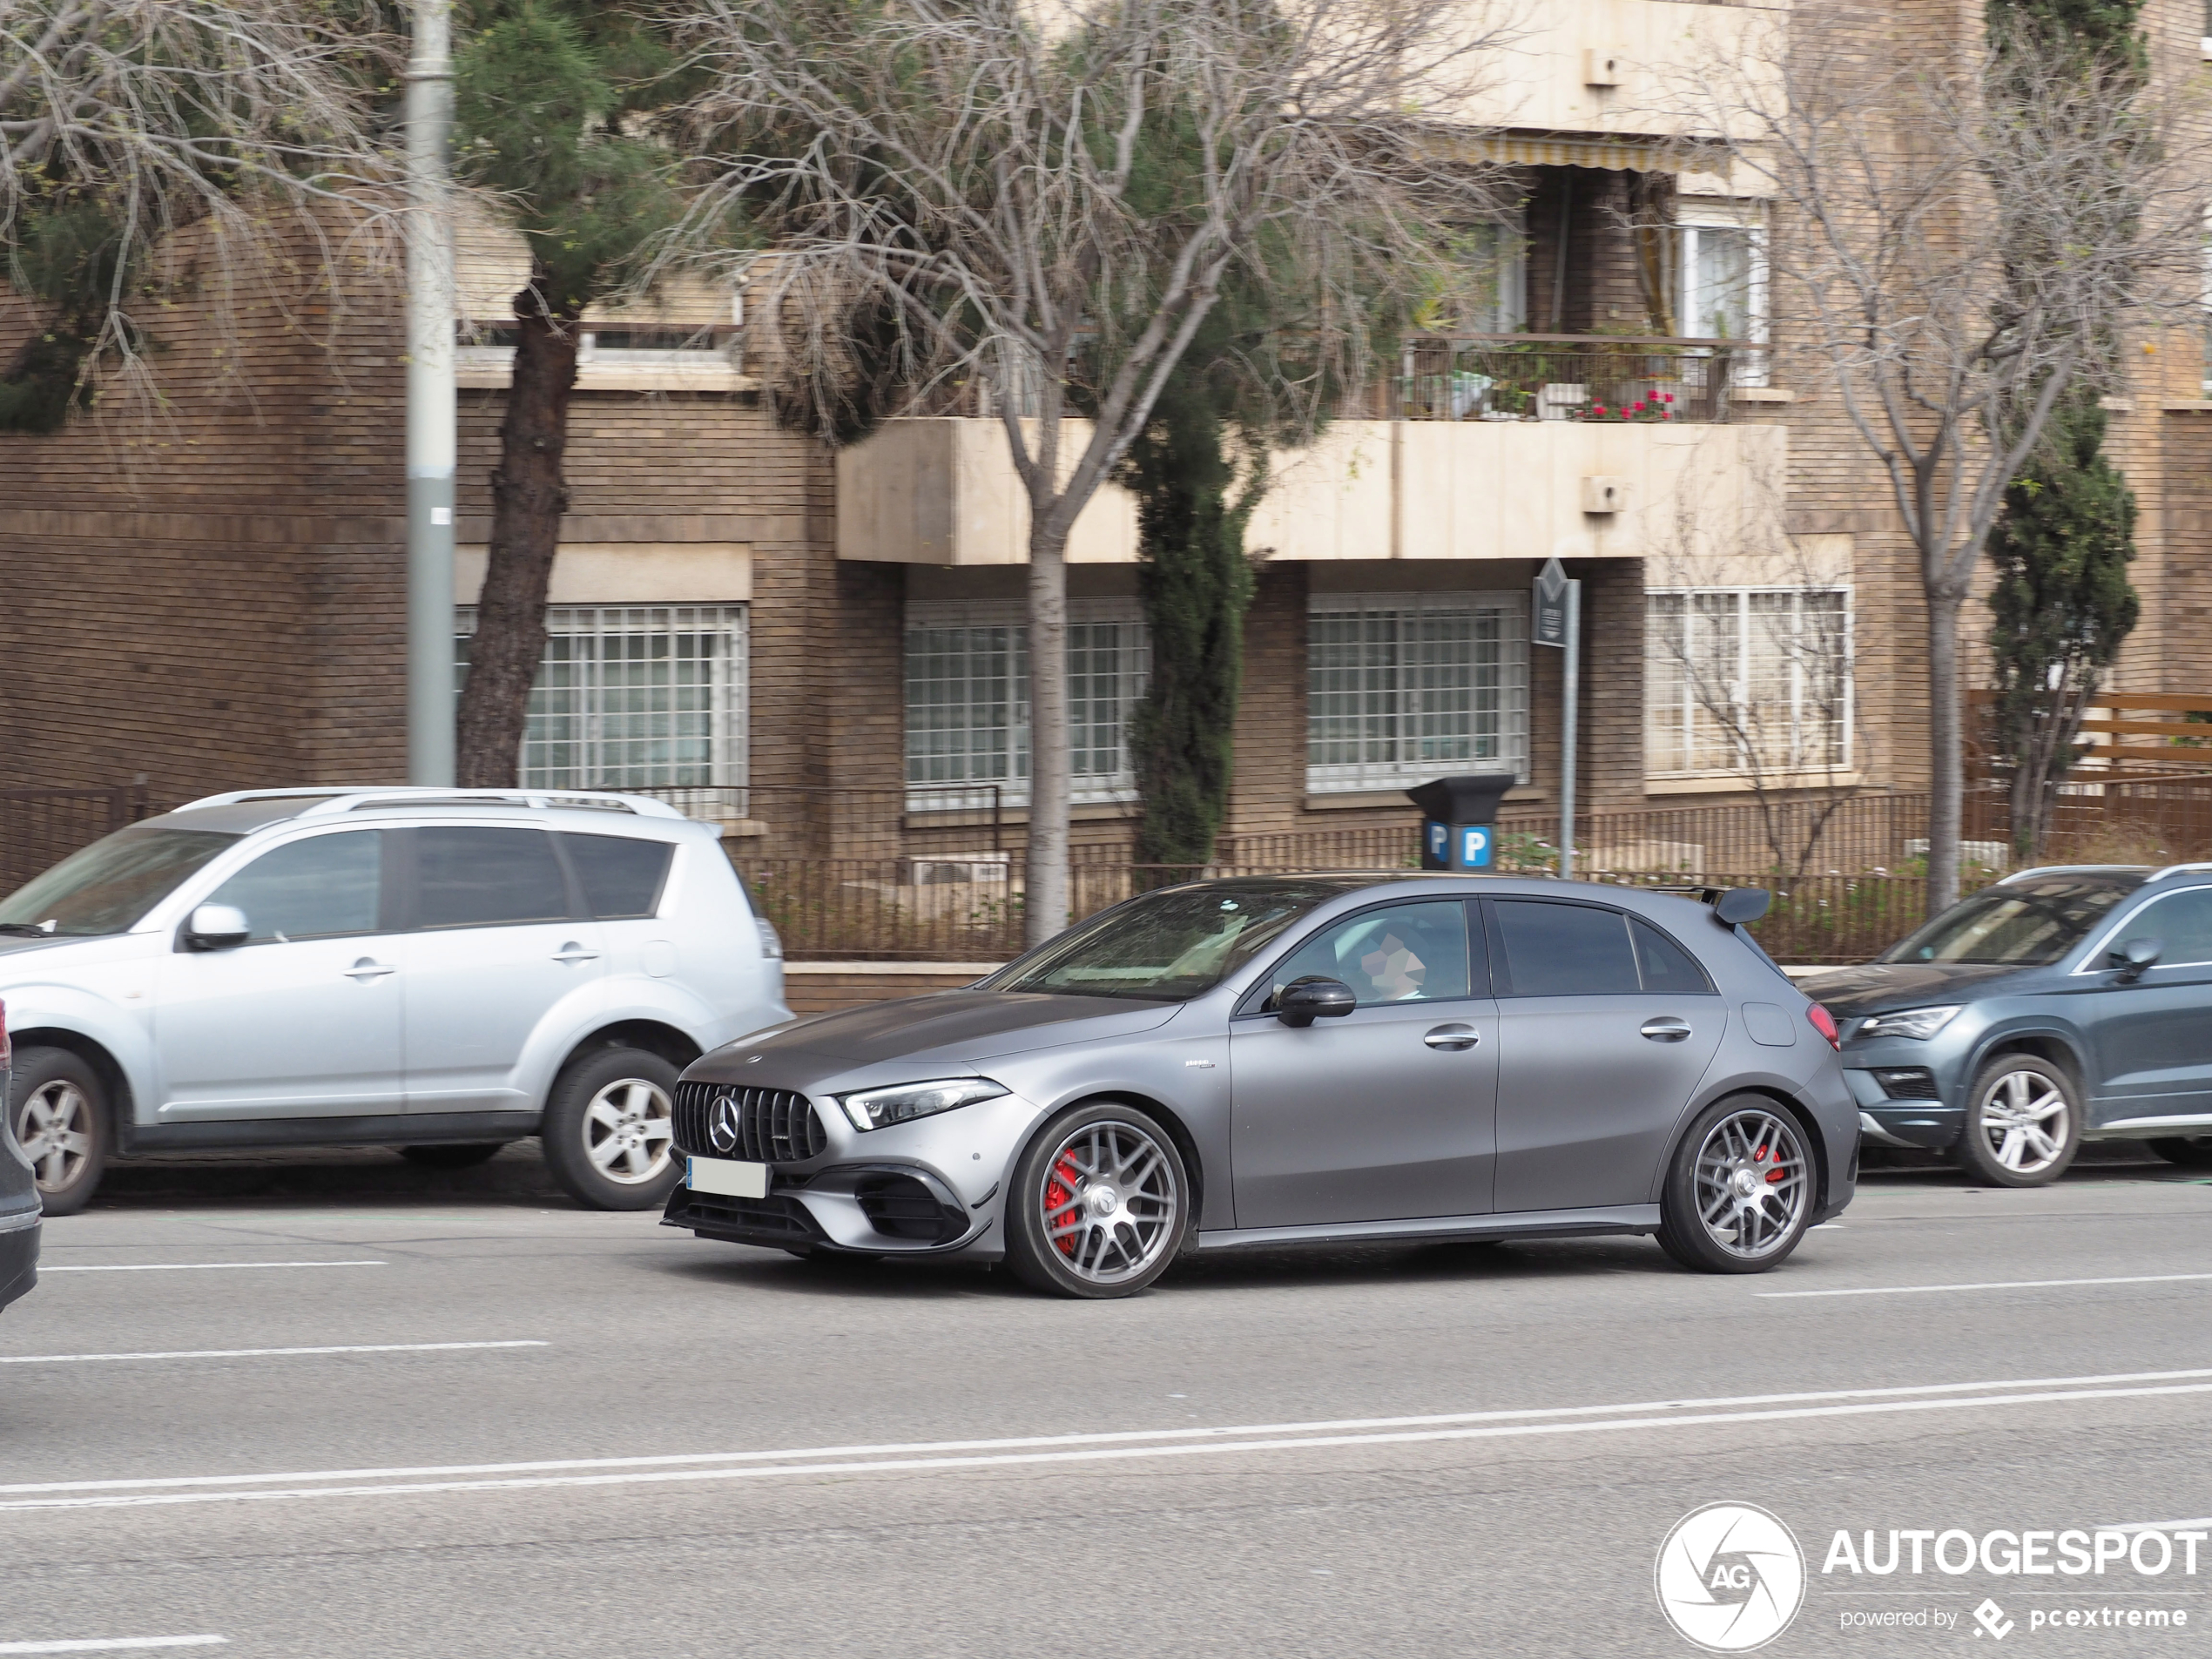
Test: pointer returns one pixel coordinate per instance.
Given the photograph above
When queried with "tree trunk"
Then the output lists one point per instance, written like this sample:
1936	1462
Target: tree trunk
528	496
1045	911
1946	757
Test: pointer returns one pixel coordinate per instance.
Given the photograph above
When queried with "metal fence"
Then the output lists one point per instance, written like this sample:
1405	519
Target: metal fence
907	910
39	827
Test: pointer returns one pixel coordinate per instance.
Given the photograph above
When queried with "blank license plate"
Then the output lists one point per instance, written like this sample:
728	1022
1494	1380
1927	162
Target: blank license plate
731	1179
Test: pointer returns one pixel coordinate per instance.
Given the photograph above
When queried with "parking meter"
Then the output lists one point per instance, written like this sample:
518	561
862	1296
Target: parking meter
1458	815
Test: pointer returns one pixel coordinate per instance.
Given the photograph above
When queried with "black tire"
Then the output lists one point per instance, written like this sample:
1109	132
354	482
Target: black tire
572	1133
1741	1189
1061	1240
2004	1143
59	1111
2191	1151
452	1155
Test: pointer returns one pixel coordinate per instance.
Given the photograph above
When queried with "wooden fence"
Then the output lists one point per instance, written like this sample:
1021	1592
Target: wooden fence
39	827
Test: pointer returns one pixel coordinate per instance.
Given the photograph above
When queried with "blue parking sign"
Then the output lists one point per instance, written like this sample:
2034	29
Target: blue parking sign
1473	848
1440	838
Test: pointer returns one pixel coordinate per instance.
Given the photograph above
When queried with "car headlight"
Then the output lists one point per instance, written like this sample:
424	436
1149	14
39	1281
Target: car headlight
1909	1023
880	1108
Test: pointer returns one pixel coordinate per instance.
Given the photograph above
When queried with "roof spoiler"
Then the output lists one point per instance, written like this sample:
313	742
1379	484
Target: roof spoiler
1732	907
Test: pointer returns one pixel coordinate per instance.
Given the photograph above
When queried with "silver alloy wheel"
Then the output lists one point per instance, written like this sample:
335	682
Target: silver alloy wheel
628	1130
1753	1182
56	1133
1108	1201
2023	1121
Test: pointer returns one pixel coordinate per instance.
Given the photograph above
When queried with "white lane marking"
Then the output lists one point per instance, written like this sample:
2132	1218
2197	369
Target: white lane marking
190	1267
114	1644
256	1354
1992	1284
1092	1453
1118	1437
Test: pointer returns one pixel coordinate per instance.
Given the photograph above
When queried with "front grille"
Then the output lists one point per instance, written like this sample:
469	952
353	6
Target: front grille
775	1125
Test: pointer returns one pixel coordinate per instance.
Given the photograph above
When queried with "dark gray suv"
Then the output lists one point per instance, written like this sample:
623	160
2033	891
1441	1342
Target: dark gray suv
2063	1004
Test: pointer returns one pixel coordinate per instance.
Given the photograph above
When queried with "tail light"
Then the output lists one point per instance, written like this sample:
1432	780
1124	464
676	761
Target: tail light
1823	1022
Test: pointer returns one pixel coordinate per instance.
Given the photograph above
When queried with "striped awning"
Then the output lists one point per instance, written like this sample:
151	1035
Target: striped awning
1617	155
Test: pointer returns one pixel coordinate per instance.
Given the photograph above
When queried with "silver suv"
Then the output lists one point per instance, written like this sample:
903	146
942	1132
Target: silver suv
442	970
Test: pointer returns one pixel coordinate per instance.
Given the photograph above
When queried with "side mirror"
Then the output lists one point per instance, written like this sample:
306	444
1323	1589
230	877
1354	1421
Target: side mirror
217	927
2133	957
1314	997
1740	905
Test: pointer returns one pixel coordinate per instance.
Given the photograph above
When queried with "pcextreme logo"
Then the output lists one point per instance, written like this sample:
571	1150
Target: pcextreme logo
1731	1577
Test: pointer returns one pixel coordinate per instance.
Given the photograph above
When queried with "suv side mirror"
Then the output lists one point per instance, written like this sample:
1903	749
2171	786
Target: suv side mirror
2133	957
217	927
1314	997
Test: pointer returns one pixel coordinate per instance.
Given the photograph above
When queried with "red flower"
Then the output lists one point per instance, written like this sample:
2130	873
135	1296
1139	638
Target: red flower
1639	406
1669	396
1597	408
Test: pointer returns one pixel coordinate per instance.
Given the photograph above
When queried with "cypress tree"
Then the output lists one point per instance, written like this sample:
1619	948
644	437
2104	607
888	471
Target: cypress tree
2061	602
1195	584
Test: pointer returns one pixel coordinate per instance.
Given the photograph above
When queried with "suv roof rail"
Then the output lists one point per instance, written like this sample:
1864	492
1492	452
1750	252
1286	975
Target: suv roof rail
317	802
2068	869
2176	869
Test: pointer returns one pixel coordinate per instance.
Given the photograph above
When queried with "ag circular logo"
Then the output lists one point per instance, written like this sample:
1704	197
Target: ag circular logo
1731	1577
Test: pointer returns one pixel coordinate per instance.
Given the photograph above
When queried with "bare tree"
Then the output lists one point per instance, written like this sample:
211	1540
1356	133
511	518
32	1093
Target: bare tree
154	114
1959	237
1044	198
1750	644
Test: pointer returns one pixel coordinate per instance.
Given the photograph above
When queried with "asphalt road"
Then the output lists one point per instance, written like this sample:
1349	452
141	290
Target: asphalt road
346	1407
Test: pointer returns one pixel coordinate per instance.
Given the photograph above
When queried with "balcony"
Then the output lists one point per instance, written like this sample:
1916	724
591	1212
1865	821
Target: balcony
1505	447
1619	68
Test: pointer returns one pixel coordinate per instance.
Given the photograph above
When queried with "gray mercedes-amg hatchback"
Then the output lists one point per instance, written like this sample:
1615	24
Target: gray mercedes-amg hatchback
1299	1059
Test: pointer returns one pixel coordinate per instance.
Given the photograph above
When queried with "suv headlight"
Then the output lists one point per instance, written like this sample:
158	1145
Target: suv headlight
1909	1023
880	1108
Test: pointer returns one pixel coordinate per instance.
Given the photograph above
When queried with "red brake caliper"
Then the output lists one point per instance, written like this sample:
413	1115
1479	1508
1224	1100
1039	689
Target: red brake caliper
1061	1190
1778	1173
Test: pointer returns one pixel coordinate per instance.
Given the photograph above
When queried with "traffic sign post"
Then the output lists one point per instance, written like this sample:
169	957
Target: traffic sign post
1559	624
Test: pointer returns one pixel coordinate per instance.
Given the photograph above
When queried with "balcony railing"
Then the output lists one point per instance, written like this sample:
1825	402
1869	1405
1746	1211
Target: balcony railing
1570	377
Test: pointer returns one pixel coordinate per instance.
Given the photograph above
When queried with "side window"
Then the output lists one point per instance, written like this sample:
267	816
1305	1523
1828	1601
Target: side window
2181	922
318	888
1565	949
482	878
621	875
1408	953
1665	965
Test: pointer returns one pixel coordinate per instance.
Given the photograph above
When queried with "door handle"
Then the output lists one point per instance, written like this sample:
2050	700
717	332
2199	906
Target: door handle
1666	1029
573	952
1454	1037
368	968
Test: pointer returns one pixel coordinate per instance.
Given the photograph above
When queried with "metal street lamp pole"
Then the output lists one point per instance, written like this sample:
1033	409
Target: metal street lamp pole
430	398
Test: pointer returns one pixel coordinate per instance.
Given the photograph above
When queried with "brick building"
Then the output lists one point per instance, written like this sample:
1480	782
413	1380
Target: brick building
826	650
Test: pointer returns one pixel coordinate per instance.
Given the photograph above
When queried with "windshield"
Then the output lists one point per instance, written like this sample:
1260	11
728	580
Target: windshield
1165	946
2029	924
106	887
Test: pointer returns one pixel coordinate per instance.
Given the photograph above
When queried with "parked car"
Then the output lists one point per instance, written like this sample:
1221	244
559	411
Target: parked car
1297	1060
20	1208
443	970
2066	1004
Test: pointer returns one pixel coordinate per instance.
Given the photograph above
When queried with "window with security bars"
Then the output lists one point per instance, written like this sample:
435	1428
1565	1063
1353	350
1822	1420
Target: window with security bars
1741	680
1403	687
634	697
967	698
